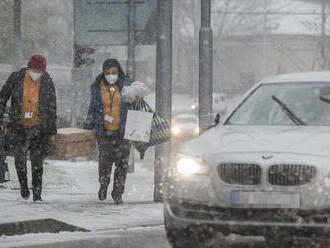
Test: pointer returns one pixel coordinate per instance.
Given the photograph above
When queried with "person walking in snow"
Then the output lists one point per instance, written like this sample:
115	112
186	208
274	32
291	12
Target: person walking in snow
32	120
107	115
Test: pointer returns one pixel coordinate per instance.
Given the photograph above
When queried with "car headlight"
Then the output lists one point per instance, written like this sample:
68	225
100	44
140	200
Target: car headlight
197	130
187	165
175	130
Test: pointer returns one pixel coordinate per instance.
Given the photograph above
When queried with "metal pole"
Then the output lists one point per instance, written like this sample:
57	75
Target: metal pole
163	88
74	88
131	63
74	76
205	64
323	42
131	39
264	41
17	55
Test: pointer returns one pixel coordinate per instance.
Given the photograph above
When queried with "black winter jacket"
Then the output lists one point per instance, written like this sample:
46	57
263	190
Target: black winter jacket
13	88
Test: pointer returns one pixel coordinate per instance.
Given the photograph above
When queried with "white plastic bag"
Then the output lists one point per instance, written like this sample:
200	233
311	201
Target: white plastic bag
137	88
138	125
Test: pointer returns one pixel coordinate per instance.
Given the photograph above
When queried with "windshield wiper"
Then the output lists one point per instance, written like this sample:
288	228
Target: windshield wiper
288	112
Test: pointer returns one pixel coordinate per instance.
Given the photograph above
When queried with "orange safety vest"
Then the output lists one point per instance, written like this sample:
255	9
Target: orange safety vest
30	101
111	105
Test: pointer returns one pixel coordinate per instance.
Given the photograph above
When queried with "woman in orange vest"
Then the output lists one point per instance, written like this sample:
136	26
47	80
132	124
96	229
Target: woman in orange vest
107	115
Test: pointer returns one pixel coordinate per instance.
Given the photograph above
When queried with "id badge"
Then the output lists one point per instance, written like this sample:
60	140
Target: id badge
109	118
28	115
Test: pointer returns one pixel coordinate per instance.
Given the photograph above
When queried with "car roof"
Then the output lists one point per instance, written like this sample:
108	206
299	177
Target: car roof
315	76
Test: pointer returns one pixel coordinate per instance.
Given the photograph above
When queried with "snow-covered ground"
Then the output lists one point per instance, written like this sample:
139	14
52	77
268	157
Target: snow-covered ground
70	195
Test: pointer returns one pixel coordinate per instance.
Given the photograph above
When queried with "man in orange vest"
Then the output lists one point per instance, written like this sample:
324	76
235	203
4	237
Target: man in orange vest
32	120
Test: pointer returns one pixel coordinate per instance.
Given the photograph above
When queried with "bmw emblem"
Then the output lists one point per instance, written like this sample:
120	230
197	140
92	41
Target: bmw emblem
267	156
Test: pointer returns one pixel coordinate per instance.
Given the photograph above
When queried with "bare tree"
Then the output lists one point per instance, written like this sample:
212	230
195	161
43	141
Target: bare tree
46	27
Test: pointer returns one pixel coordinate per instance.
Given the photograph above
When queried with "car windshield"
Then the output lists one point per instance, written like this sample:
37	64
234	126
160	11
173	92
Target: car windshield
284	104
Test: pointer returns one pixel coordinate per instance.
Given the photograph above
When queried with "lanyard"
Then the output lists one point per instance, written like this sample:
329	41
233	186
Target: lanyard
32	90
111	97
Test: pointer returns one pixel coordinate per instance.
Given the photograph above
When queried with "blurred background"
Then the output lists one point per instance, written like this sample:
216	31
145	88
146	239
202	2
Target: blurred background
251	40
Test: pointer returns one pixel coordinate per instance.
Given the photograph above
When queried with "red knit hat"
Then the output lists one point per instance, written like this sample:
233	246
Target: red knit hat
37	62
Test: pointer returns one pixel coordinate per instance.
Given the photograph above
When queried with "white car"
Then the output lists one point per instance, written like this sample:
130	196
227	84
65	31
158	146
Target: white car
263	170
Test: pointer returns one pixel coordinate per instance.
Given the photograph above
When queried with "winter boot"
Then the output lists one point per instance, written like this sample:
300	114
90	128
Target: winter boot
103	191
37	197
25	193
117	198
37	193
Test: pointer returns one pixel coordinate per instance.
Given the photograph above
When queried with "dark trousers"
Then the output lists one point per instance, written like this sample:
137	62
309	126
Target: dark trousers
113	149
29	139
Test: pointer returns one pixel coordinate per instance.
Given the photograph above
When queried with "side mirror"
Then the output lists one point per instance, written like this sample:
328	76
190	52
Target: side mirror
210	120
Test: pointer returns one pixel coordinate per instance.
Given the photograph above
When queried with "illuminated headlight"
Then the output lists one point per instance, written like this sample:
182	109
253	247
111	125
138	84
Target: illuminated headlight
197	130
191	165
175	130
193	107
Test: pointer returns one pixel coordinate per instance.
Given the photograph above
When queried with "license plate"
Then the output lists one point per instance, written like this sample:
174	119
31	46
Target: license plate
265	199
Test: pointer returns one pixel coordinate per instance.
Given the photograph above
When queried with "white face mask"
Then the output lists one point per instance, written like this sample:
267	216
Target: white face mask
111	78
35	75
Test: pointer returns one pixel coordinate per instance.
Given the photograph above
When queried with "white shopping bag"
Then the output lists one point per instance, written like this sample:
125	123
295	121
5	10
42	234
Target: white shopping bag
138	125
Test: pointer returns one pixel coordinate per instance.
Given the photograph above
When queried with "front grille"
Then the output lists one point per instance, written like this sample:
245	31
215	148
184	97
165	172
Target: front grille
291	174
240	173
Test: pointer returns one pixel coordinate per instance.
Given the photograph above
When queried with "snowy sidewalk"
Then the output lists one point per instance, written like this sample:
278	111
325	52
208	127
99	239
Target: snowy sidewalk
70	195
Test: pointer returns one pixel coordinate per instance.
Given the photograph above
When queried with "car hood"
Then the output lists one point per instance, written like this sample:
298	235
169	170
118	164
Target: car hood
260	139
